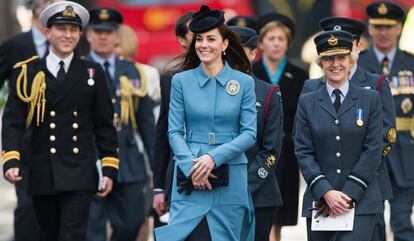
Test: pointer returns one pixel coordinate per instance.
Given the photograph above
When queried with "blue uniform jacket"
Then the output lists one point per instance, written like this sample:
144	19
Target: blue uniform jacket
264	155
367	80
133	166
334	152
401	77
205	118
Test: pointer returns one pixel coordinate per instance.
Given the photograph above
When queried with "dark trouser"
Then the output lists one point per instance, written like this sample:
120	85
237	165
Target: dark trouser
25	224
125	209
401	210
362	231
379	230
201	232
264	220
64	216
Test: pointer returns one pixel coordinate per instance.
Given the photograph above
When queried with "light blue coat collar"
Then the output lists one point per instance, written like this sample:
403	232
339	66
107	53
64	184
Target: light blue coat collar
222	77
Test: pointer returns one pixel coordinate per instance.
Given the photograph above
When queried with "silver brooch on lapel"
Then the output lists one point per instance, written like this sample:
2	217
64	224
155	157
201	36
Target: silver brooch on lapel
91	74
233	87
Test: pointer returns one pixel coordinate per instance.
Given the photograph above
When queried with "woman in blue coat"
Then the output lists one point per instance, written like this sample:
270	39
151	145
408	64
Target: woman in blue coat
338	143
212	121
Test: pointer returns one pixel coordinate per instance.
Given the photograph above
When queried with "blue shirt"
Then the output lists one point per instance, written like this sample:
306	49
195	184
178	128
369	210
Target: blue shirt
101	61
40	42
344	91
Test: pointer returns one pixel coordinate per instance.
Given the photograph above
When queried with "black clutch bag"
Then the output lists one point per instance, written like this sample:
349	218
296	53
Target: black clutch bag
185	185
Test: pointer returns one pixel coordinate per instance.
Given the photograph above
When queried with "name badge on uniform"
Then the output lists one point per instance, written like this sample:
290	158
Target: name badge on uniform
91	74
359	117
233	87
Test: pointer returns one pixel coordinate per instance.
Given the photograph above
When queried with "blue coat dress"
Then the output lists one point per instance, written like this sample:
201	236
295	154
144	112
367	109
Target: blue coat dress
205	118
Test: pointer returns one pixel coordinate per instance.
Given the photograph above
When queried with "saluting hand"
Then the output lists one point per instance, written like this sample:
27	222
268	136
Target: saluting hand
12	175
106	186
338	202
201	171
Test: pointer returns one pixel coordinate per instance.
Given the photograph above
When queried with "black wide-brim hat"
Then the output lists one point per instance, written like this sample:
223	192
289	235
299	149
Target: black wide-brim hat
206	19
385	13
64	12
248	36
353	26
104	18
264	19
243	21
331	43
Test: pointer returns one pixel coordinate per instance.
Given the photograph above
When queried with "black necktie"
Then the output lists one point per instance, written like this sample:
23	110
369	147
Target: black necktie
106	68
61	73
337	102
384	66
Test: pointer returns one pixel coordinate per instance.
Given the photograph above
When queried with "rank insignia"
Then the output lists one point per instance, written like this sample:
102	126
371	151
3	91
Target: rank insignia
91	74
270	160
262	172
233	87
392	135
359	117
406	105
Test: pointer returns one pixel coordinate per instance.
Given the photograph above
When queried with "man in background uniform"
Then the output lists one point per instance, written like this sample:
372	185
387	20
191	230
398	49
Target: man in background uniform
264	155
16	48
362	78
384	57
65	100
133	115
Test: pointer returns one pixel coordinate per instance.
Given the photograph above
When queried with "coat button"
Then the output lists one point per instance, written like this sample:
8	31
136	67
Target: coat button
338	171
113	100
52	113
53	150
74	138
338	154
52	125
75	150
75	113
337	138
52	138
75	126
336	122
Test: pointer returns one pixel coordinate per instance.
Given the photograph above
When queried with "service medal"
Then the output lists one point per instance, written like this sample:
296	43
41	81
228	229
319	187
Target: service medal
233	87
91	74
359	117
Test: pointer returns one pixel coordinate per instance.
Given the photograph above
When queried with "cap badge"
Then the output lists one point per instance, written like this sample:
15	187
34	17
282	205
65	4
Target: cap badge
241	23
382	9
104	15
69	12
337	27
233	87
332	40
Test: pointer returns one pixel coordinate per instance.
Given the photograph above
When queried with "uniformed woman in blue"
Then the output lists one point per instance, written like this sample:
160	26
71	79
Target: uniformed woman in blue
338	143
212	121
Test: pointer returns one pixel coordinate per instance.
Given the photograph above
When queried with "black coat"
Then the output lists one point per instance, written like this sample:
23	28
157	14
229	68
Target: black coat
162	165
287	171
73	108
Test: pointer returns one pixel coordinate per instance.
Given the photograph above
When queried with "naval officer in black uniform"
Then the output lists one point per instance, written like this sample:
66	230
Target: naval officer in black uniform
65	100
124	206
384	57
362	78
264	155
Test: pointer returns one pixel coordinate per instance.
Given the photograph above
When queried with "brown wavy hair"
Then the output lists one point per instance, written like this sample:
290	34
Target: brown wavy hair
235	55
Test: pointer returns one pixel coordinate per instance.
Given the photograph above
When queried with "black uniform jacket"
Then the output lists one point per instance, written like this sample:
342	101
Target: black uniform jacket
78	117
264	155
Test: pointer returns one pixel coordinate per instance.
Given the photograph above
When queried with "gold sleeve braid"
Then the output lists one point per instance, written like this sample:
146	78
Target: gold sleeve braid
36	99
128	92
